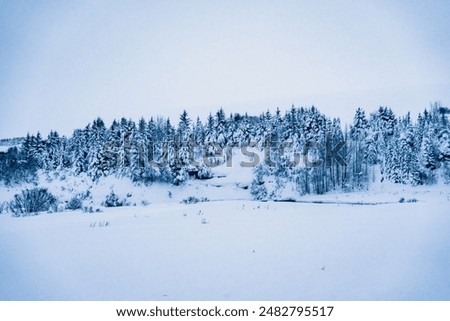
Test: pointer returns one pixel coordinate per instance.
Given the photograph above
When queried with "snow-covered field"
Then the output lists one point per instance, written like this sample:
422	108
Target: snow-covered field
234	250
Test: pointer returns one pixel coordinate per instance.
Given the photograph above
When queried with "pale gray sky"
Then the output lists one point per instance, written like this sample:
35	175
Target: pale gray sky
63	63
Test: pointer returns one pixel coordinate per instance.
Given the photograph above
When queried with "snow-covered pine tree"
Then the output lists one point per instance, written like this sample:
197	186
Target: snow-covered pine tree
428	159
213	153
95	142
257	187
37	149
138	151
53	153
358	161
444	153
184	150
77	151
407	156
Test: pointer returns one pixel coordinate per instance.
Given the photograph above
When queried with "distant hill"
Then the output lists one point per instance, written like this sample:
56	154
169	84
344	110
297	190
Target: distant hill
6	143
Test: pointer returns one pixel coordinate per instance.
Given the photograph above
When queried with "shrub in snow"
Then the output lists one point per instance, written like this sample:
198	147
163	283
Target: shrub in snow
88	209
31	201
409	200
103	224
112	200
74	204
100	224
204	221
204	172
193	200
181	177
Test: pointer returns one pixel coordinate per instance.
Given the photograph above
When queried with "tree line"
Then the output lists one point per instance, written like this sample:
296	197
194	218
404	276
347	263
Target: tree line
303	149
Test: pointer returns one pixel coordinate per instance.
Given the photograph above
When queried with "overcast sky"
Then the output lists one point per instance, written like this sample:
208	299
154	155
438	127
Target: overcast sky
63	63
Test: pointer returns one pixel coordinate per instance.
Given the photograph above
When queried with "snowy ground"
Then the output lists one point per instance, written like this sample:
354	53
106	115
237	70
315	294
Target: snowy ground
231	250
